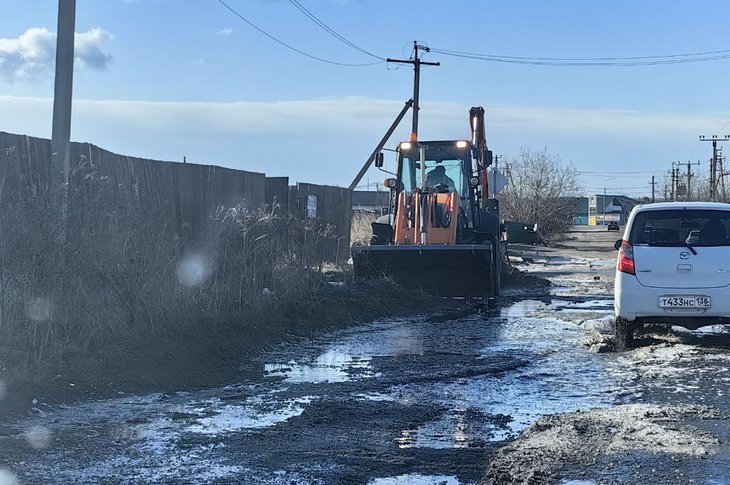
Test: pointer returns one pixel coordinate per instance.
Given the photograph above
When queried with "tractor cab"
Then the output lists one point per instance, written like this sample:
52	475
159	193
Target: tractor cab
436	167
435	197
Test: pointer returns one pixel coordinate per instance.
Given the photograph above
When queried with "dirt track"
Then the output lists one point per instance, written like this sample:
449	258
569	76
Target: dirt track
525	394
668	423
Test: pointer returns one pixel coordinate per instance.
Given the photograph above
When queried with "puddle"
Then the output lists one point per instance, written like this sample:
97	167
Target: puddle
416	480
351	357
373	396
487	377
231	418
559	377
166	434
451	431
332	366
589	305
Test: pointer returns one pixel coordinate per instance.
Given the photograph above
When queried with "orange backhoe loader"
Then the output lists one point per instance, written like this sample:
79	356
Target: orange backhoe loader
442	232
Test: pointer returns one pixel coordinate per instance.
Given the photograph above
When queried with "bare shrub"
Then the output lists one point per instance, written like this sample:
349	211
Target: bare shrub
539	185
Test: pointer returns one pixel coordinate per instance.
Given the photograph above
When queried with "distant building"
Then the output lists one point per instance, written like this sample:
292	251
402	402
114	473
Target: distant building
370	201
580	209
609	208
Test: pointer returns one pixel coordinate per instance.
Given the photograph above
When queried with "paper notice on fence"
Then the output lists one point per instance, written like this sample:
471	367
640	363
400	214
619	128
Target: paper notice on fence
311	207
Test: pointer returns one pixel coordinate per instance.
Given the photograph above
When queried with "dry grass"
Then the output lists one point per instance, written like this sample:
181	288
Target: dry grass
113	287
361	230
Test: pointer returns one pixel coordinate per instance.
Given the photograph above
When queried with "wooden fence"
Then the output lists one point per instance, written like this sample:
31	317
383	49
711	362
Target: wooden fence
182	194
330	206
277	192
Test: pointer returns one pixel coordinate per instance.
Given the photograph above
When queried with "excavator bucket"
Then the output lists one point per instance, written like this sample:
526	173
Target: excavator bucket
461	270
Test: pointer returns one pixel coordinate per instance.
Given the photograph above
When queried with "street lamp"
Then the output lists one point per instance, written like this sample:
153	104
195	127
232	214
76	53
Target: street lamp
604	198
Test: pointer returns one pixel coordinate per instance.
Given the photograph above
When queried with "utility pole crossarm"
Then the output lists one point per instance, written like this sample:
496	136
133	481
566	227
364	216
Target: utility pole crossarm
417	63
411	61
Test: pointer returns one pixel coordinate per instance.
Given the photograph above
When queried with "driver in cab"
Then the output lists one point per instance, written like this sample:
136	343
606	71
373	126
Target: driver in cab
437	177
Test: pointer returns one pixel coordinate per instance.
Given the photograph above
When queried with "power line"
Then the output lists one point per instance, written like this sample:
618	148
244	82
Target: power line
619	188
593	61
623	177
290	47
620	173
596	59
330	31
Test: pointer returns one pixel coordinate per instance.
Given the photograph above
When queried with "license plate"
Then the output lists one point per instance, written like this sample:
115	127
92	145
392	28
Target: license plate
684	302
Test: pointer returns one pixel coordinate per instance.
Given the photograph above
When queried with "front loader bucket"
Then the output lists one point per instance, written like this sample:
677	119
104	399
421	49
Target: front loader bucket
465	270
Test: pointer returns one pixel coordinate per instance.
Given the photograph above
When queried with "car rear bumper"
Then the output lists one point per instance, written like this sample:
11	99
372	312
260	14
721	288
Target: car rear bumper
634	302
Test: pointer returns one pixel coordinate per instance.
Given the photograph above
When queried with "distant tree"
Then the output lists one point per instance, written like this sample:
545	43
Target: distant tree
539	188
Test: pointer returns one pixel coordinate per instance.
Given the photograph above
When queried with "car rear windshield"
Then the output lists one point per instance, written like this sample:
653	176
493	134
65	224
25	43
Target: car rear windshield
681	227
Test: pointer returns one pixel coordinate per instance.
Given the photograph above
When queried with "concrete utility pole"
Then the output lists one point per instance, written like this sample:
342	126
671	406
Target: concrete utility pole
604	199
653	185
720	173
380	146
417	63
680	189
713	164
63	91
494	176
689	178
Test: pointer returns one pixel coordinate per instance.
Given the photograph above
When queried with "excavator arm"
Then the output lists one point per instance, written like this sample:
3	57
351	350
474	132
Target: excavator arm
482	154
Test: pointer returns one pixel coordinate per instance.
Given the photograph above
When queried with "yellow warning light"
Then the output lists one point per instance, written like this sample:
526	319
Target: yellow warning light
462	144
405	146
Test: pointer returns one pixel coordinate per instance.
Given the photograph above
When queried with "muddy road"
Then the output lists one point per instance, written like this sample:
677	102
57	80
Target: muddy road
529	393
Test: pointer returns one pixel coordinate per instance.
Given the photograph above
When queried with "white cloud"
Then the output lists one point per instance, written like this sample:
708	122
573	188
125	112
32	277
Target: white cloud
31	56
326	140
225	32
88	50
358	115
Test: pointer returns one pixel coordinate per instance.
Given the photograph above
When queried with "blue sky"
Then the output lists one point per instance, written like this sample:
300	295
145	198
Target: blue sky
171	78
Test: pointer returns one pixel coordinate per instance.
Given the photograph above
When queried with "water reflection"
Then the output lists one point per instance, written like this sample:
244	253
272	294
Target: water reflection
332	366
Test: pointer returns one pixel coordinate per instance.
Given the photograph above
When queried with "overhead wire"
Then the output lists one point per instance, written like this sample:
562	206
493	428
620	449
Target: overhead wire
331	31
592	61
290	47
619	173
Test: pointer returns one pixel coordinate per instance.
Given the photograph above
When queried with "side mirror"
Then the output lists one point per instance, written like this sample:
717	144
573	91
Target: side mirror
379	158
617	244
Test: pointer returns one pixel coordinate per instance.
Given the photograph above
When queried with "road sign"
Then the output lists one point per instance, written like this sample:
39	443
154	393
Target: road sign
497	181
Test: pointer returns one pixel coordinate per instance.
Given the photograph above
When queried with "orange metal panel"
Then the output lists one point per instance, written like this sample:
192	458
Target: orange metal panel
449	203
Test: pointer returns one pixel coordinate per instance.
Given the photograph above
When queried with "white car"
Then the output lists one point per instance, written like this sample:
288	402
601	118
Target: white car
673	268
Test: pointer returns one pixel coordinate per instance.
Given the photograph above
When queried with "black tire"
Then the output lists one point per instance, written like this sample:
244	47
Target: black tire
624	333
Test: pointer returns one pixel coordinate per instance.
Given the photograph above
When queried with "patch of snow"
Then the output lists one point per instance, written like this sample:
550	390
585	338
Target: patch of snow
8	478
416	479
38	437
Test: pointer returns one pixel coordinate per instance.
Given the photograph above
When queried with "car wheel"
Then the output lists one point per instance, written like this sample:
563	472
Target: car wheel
624	333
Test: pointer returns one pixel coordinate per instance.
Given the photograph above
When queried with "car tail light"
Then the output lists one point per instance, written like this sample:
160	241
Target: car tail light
626	258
